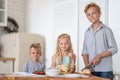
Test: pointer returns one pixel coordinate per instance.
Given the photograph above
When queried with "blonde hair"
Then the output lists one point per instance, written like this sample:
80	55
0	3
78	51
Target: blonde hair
63	36
36	46
92	5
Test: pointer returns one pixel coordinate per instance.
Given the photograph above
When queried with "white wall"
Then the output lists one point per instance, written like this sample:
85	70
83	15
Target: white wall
16	10
114	24
51	18
43	18
66	21
40	20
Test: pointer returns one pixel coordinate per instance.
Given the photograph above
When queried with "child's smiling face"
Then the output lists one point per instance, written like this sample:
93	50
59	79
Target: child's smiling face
64	44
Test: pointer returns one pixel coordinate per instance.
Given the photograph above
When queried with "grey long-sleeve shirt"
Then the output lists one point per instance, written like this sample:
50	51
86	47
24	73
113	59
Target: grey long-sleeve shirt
30	66
98	42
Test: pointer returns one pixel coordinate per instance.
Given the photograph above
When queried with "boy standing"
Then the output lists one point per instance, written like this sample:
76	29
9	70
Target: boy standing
99	44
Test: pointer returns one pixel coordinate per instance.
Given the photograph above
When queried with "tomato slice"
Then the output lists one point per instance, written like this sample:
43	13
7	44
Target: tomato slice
39	72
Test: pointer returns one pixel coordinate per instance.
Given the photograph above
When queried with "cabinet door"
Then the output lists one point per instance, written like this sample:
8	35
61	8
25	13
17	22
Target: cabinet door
3	12
6	66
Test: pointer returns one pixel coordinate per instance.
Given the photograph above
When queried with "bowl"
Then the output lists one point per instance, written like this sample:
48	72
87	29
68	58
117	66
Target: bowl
52	72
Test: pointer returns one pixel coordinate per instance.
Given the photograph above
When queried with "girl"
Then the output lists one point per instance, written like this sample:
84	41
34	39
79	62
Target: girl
64	54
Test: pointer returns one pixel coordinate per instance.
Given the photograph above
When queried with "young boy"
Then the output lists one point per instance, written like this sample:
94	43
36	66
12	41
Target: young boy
34	64
99	44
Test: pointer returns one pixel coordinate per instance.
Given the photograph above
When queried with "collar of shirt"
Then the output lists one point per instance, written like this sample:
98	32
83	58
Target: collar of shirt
100	27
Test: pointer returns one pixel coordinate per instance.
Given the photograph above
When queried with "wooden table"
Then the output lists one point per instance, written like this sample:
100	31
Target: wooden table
11	77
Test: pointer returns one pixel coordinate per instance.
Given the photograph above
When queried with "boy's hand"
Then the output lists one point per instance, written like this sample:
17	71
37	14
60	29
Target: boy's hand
96	60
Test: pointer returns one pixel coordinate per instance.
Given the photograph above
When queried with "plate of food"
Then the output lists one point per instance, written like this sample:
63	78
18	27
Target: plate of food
86	72
63	69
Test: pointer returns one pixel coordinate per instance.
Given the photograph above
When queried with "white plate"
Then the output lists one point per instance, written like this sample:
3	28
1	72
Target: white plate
54	76
38	75
71	75
84	76
22	74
